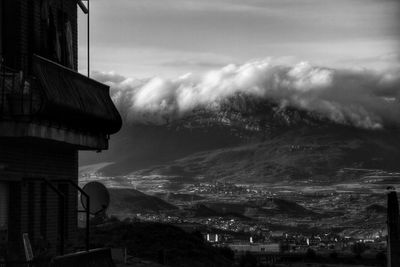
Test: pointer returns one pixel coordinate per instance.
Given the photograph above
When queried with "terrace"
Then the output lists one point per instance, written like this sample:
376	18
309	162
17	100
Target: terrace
47	97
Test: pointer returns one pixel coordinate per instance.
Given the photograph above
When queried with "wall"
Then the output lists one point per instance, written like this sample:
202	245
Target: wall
34	208
25	30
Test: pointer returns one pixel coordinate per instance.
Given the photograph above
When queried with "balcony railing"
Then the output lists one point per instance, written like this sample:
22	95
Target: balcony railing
19	95
49	92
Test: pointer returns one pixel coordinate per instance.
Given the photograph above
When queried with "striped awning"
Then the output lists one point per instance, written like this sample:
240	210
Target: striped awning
74	99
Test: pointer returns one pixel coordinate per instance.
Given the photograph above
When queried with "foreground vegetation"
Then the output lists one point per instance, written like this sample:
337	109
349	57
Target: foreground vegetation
160	243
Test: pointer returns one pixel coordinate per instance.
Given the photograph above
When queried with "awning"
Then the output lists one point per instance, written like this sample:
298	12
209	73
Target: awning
74	99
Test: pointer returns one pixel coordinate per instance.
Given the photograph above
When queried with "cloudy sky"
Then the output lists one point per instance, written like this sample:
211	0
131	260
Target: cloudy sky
145	38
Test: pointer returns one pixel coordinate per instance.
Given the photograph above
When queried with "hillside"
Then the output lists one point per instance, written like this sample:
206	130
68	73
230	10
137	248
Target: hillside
160	242
248	140
132	201
316	154
268	207
375	208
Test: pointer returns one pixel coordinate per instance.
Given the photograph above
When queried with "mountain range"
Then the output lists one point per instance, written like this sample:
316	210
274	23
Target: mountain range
246	140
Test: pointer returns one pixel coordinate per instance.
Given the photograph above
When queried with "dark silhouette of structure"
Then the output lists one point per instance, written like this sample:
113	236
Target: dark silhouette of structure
393	244
48	111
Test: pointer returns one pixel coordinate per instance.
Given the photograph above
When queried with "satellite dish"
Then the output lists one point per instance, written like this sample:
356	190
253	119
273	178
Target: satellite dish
99	197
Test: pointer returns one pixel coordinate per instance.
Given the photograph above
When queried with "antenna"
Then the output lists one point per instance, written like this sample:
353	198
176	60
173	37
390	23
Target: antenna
88	39
85	9
99	197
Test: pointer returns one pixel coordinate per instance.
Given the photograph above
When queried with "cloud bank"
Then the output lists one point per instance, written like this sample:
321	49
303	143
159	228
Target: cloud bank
359	97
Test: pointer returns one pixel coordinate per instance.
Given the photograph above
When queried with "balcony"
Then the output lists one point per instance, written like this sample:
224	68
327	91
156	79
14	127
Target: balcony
18	94
53	95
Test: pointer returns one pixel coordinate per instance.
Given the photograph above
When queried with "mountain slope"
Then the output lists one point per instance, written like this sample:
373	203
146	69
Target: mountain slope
133	201
248	140
297	155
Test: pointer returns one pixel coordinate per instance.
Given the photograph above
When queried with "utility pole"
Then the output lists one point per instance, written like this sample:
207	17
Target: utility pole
393	225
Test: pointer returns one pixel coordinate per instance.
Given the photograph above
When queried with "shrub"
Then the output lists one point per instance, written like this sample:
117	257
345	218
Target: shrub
358	249
333	255
310	254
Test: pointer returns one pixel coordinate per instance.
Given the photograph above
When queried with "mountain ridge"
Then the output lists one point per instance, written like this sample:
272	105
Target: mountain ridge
254	137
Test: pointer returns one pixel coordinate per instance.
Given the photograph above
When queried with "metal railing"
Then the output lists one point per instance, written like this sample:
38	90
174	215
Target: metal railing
18	90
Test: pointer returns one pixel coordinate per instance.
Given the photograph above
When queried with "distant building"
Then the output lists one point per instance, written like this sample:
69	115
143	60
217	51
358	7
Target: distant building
213	238
393	244
277	234
48	111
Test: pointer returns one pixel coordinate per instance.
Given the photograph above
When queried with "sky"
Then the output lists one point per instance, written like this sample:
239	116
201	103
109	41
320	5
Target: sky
168	38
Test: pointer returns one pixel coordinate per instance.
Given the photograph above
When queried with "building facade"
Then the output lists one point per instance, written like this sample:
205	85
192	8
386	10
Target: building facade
48	112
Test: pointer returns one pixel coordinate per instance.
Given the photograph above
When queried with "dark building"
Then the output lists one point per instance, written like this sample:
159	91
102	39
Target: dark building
48	112
393	230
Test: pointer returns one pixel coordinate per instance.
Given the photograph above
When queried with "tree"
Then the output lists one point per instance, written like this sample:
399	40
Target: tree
333	255
248	260
358	249
310	254
381	258
227	253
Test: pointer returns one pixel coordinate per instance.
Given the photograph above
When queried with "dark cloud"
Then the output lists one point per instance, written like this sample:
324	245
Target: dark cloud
363	98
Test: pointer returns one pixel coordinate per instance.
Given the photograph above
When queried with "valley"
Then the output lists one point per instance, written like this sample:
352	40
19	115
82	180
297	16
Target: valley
251	168
353	209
